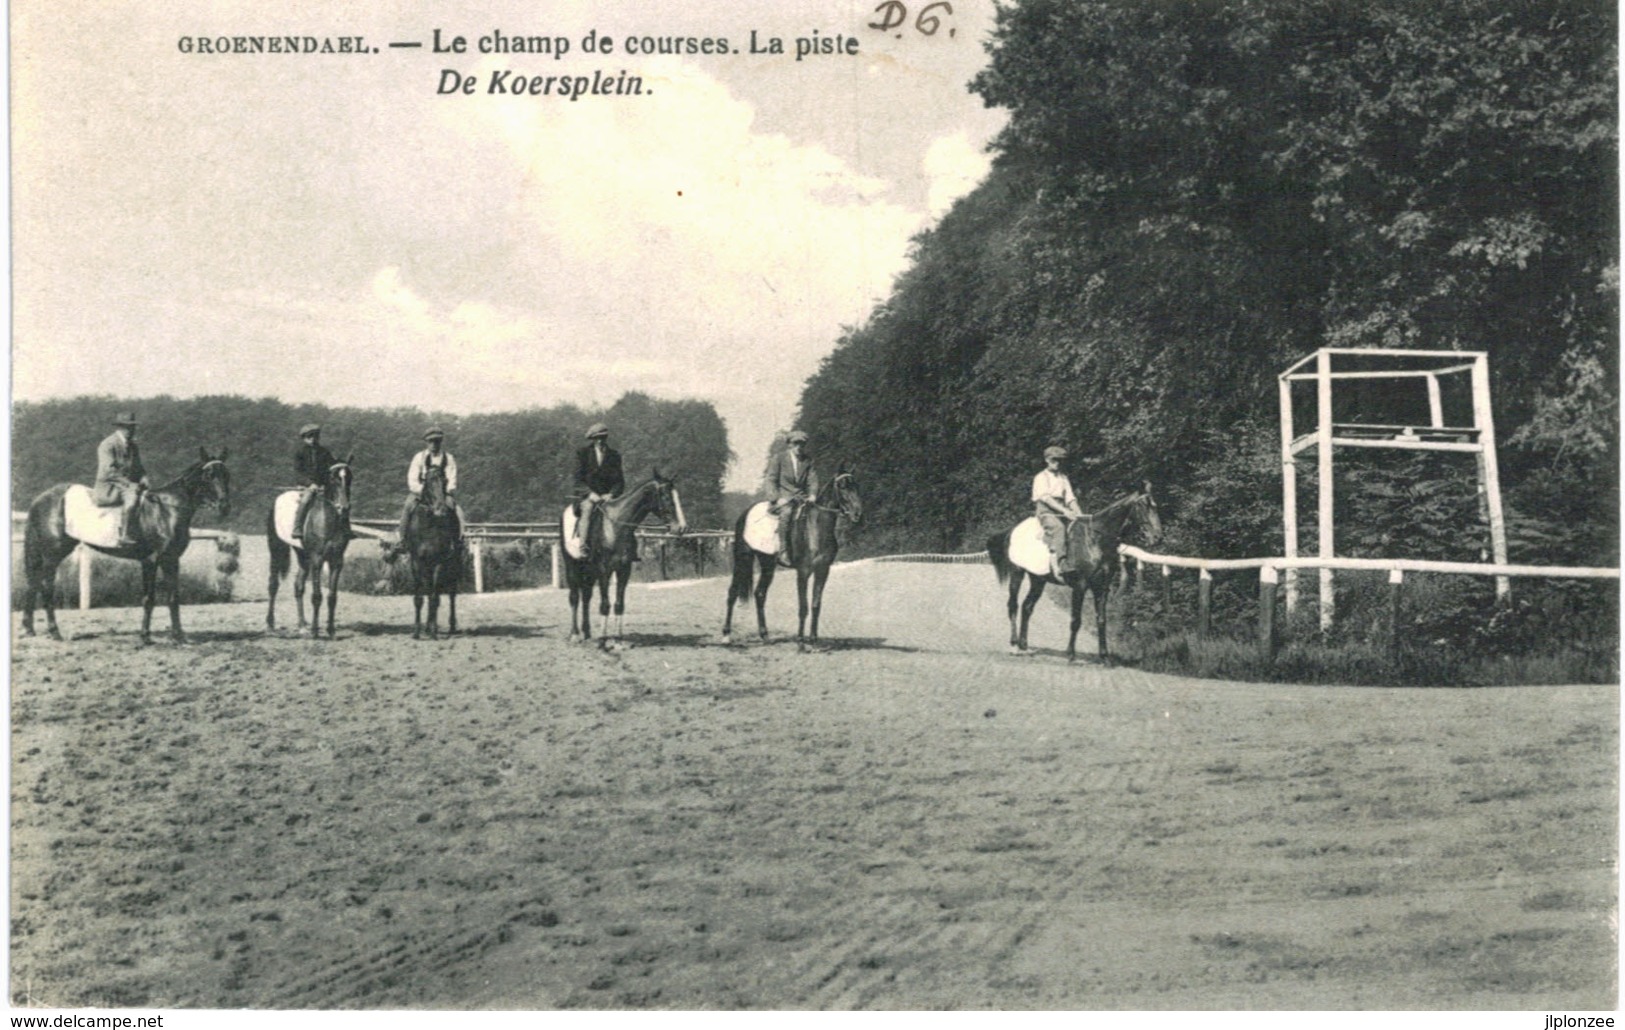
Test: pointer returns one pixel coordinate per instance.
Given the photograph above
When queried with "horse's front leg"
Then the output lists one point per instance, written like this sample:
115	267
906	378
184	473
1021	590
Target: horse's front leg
1077	620
149	591
605	626
622	576
820	576
1101	596
304	562
451	606
767	566
1027	607
172	581
417	604
801	609
315	598
434	587
333	594
577	610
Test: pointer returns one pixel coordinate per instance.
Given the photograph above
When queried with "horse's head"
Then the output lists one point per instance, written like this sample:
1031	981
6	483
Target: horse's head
667	503
1145	521
339	479
844	496
433	492
214	480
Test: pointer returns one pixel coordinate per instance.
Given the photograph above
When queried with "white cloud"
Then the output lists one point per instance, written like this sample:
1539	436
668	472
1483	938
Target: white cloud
953	167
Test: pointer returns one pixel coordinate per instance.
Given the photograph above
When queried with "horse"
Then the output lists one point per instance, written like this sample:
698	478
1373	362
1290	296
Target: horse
1092	542
813	544
608	550
437	557
322	541
161	526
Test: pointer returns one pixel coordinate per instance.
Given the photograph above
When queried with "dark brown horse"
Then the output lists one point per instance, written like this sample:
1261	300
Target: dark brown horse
610	544
162	528
322	541
437	557
1092	545
812	545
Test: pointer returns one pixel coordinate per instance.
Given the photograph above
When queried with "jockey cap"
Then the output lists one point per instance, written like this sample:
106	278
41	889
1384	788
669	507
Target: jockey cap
1054	452
797	436
435	433
309	429
124	418
596	430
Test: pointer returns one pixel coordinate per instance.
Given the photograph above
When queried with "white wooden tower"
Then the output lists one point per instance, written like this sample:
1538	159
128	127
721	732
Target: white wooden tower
1428	370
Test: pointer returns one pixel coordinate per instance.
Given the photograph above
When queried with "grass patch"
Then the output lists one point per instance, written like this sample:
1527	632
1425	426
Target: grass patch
1452	632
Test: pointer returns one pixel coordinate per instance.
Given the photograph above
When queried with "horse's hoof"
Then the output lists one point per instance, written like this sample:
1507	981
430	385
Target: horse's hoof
55	635
727	639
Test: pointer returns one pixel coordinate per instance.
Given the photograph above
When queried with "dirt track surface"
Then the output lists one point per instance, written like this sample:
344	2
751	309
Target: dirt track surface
911	820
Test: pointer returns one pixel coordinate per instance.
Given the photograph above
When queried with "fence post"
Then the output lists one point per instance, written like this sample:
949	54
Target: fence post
663	574
1167	586
1204	602
699	556
1268	638
1396	586
477	552
553	553
84	577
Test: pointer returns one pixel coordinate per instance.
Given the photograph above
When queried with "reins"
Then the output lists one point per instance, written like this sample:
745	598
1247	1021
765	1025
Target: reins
840	507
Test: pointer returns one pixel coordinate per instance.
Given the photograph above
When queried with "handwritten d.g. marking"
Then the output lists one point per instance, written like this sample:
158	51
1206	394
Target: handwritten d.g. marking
894	13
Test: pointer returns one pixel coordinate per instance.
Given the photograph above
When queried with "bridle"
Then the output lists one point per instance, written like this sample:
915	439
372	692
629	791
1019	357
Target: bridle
841	507
337	470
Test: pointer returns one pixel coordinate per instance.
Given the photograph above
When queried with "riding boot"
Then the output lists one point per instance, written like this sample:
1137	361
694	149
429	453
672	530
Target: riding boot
785	558
125	538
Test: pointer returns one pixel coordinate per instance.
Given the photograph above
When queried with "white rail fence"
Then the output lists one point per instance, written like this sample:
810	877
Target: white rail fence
1270	569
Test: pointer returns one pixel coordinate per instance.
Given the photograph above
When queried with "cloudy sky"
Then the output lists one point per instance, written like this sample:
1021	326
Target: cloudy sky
328	228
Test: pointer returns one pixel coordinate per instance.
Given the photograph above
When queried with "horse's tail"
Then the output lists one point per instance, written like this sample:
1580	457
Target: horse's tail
281	553
744	563
45	512
998	552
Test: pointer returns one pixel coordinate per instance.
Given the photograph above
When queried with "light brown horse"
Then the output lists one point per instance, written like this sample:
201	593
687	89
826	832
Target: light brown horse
162	528
1092	546
610	544
813	546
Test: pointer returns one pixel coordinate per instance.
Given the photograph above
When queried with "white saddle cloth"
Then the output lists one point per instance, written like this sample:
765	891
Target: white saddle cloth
1028	549
761	529
282	512
567	530
87	521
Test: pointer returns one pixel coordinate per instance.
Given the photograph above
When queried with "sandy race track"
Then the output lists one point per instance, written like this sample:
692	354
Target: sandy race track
912	819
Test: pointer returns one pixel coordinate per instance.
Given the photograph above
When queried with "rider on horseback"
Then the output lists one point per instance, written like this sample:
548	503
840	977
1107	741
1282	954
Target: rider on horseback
433	455
598	478
792	481
120	478
312	464
1056	506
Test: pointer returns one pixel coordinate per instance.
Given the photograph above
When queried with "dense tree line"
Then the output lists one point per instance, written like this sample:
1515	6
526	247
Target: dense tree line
1188	197
513	466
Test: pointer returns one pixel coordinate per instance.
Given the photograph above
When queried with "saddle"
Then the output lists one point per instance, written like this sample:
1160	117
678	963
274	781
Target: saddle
575	546
89	522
